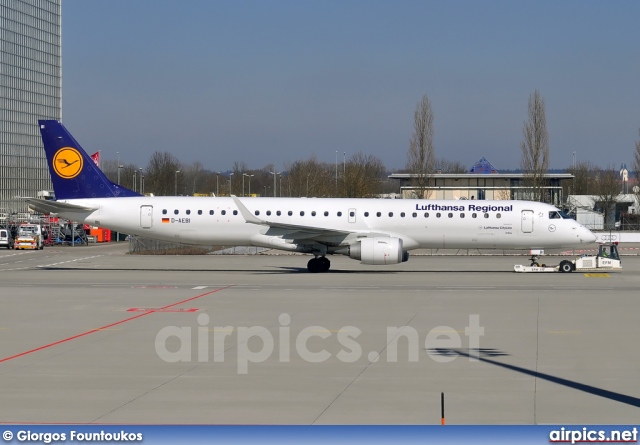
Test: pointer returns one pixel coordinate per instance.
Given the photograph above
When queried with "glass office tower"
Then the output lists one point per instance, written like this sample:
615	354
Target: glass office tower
30	89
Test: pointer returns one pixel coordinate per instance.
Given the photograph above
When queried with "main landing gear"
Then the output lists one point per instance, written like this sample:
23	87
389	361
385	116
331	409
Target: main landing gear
319	264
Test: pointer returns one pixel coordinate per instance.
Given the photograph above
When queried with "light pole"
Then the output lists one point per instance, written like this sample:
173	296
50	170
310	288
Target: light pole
141	191
118	155
336	188
175	186
249	176
274	179
344	164
230	175
217	184
142	185
134	179
308	184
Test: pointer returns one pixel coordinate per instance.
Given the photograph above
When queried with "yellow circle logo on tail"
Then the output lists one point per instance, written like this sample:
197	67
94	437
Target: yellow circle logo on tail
67	162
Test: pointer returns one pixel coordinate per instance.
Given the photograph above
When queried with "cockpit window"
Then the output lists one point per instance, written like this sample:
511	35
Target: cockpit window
556	214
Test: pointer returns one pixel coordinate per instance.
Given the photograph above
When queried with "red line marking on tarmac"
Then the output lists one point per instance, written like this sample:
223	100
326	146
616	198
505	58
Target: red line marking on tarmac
151	309
31	351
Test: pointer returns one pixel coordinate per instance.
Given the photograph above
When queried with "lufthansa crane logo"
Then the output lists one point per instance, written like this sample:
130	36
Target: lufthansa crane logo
67	162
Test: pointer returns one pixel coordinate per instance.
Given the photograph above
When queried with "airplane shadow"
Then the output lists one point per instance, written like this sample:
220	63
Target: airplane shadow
275	270
483	355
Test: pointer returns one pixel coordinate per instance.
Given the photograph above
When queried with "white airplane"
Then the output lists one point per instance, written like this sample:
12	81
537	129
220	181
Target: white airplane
374	231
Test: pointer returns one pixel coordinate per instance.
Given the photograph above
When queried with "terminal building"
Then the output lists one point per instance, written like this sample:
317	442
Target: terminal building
483	181
30	89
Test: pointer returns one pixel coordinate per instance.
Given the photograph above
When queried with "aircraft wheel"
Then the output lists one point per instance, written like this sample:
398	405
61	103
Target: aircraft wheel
325	264
566	266
314	265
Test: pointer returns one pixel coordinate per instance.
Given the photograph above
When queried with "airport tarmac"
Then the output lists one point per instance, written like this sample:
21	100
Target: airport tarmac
94	335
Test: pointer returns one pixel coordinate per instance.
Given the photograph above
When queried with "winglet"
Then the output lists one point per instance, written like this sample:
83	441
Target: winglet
246	214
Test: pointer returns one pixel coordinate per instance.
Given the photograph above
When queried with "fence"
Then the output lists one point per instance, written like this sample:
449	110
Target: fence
139	245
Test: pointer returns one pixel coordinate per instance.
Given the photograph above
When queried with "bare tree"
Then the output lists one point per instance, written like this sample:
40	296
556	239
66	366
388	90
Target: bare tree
583	180
535	148
607	187
127	172
310	178
364	175
421	156
161	178
636	169
445	166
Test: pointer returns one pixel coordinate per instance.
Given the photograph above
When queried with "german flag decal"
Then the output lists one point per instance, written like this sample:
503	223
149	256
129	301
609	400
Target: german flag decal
165	220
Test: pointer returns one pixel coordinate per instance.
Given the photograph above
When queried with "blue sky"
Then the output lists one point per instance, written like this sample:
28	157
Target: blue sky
278	81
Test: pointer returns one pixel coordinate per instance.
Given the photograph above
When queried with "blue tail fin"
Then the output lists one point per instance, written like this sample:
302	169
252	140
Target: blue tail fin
73	172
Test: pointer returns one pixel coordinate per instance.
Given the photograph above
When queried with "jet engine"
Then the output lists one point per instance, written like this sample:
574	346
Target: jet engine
378	251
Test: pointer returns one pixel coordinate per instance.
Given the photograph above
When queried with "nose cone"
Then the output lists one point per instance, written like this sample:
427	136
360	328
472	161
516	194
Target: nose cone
587	236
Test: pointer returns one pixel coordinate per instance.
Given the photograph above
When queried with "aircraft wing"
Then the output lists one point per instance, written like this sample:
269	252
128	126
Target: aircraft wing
295	231
44	206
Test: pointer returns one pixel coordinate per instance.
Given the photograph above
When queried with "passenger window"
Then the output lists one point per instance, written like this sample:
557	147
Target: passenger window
366	214
438	215
301	213
257	212
313	213
268	212
188	212
289	213
378	214
210	212
402	215
175	212
450	215
486	215
223	212
414	214
352	214
278	213
462	215
498	215
235	212
164	211
326	213
390	214
426	214
473	215
339	213
199	212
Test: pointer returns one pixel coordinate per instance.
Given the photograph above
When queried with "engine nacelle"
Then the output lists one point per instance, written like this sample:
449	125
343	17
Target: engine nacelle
378	251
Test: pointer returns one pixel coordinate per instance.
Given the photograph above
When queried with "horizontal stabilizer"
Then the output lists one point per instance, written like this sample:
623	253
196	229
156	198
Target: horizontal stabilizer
44	206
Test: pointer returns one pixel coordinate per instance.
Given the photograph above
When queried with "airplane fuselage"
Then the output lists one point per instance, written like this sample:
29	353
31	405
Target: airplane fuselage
419	223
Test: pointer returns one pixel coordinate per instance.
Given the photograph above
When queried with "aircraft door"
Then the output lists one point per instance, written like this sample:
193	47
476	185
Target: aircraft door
146	217
527	221
352	215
